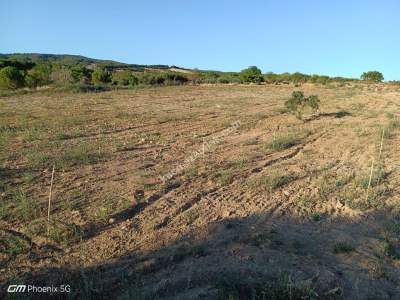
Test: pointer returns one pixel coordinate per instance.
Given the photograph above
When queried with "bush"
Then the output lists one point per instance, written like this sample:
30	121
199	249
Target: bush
80	74
101	76
298	102
209	77
124	78
38	75
175	79
11	78
252	74
61	74
151	79
372	76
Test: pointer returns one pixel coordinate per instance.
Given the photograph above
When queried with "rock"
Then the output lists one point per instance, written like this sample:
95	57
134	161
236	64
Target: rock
111	220
286	193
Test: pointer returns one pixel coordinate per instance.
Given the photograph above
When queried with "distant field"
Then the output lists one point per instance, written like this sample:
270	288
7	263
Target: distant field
274	205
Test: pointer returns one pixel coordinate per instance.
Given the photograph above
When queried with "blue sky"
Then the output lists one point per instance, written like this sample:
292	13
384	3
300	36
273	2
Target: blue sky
310	36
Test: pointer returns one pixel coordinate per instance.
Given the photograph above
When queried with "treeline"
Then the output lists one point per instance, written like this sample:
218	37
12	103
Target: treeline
16	74
254	75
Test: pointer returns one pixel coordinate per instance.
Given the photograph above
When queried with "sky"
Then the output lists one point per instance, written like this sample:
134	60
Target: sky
336	38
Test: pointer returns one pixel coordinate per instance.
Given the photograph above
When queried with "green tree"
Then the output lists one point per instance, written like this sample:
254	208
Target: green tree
38	75
80	73
11	78
101	76
252	74
298	102
372	76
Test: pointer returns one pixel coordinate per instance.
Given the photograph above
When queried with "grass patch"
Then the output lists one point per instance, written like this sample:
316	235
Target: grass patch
342	247
19	207
270	182
13	245
236	286
282	141
80	154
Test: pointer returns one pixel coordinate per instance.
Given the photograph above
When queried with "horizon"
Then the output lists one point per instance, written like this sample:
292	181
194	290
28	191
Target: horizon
306	36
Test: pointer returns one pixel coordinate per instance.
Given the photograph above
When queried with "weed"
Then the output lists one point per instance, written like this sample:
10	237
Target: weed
270	182
342	247
224	176
281	142
251	142
389	249
13	245
236	286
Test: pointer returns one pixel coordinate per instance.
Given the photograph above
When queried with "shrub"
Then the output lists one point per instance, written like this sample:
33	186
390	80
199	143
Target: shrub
124	78
101	76
209	77
299	77
175	79
152	79
11	78
61	74
79	73
298	102
38	75
372	76
252	74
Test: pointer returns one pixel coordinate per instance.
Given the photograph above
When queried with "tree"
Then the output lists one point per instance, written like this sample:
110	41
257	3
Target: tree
252	74
11	78
101	76
298	102
372	76
38	75
80	73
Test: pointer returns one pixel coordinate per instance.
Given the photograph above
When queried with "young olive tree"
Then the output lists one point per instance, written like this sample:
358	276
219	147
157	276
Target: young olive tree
298	102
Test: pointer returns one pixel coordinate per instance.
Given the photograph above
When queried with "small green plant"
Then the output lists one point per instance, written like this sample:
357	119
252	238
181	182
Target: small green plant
270	182
12	245
234	286
281	142
298	102
342	247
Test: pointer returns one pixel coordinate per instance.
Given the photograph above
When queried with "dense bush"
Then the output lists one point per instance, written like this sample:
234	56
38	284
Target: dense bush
38	75
151	79
80	73
11	78
124	78
175	79
251	74
298	102
209	77
101	76
372	76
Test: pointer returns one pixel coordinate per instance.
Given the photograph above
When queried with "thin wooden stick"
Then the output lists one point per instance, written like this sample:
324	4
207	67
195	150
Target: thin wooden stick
370	179
380	150
380	153
50	194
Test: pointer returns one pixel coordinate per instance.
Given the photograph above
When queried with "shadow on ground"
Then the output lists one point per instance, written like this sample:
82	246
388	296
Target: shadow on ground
254	257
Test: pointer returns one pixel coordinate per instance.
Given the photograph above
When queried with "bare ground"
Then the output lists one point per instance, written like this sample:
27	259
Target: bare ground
245	212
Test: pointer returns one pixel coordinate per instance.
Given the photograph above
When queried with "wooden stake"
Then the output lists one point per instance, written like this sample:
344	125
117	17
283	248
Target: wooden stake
50	194
370	179
380	150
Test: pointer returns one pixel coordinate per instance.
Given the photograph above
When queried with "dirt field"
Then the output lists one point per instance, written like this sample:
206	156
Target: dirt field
258	203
